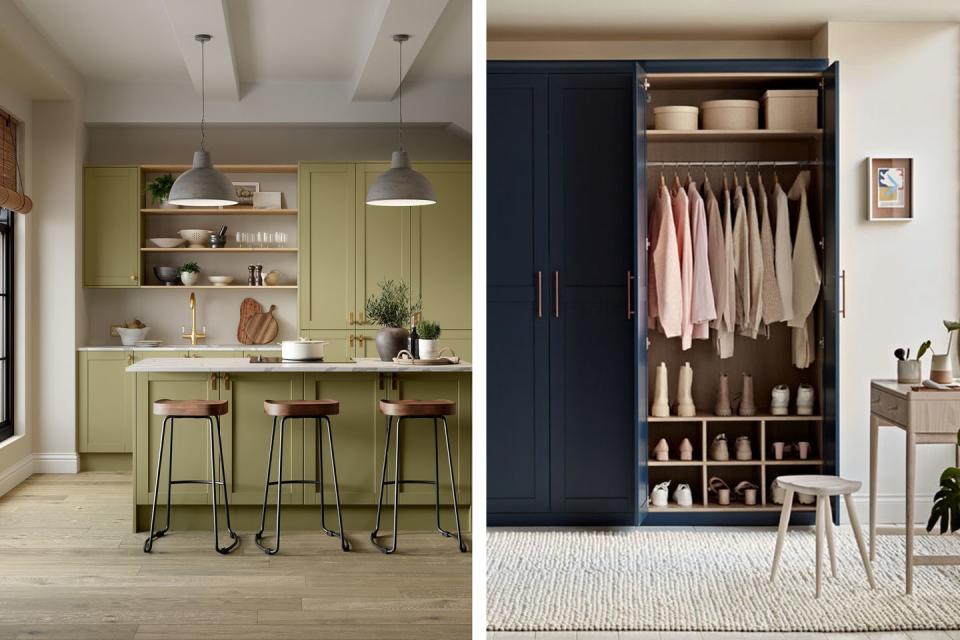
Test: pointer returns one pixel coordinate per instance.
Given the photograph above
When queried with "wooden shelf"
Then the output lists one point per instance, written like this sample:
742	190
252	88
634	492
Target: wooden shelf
225	211
675	463
792	462
213	286
222	250
723	135
740	508
733	463
701	417
226	168
739	80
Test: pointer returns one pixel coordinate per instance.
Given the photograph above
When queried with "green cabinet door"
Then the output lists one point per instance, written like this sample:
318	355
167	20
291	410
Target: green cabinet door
191	450
355	435
106	399
441	246
246	435
111	227
326	230
383	241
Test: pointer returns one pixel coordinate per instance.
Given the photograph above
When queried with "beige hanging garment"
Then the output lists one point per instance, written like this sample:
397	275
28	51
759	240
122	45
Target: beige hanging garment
666	265
681	219
783	251
715	253
752	316
772	306
703	309
806	276
653	237
741	256
727	315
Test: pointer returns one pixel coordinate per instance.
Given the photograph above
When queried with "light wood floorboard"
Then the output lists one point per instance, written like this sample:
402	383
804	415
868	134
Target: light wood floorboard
716	635
71	569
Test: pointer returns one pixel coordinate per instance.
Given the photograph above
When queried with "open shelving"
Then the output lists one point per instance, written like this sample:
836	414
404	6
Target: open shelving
219	250
214	286
225	211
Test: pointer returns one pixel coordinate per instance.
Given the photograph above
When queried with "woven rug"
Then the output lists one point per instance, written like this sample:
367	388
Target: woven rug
709	580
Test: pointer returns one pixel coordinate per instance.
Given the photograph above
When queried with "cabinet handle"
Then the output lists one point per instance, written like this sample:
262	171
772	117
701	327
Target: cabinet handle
630	279
556	294
226	382
130	358
213	382
133	277
350	319
539	294
843	293
350	339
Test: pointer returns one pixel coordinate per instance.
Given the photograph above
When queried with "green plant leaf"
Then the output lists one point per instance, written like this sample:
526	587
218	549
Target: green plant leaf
393	307
946	502
923	349
428	330
951	325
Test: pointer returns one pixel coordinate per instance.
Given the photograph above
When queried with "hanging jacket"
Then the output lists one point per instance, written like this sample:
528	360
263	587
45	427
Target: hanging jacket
681	220
741	256
666	266
653	237
753	314
772	310
783	251
727	315
715	253
703	308
806	277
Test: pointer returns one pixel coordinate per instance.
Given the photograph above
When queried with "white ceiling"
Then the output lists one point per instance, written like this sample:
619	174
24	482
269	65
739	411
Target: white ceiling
728	19
258	41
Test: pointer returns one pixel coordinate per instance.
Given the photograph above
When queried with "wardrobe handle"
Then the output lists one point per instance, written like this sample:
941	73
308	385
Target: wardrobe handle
843	293
629	295
539	294
556	294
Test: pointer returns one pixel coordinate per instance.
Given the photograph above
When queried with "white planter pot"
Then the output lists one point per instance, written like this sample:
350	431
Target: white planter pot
189	278
429	349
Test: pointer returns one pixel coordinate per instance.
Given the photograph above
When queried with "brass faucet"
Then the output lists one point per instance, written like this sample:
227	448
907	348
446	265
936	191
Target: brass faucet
193	336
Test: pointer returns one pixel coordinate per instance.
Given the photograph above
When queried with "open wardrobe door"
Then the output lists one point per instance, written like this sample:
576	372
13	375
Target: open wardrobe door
833	288
639	294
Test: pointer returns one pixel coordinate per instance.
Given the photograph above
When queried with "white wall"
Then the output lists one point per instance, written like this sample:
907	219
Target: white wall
898	97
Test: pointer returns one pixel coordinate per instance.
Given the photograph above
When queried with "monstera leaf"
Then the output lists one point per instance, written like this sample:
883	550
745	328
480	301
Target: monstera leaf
946	502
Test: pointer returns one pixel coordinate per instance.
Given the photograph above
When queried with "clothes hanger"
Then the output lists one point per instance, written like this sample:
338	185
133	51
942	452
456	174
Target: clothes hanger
723	168
776	180
736	177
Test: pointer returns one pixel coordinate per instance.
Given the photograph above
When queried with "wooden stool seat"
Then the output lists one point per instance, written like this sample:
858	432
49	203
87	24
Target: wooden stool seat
301	408
816	485
190	408
418	408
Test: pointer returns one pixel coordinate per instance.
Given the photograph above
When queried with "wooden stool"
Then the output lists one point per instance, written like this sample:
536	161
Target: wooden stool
320	411
823	487
417	409
211	410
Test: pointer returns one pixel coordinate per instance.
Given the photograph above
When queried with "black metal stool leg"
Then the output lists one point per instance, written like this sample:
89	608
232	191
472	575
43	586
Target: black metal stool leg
257	537
148	543
169	478
226	498
396	486
436	479
383	482
279	483
318	452
344	543
453	486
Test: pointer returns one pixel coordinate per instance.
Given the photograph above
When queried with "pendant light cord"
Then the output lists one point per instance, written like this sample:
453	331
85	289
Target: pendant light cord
203	99
401	95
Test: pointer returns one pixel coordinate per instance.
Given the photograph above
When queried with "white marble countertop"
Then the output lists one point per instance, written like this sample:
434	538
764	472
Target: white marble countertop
243	365
184	346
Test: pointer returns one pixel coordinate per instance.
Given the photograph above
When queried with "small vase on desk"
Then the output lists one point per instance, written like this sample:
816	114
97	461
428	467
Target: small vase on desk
941	369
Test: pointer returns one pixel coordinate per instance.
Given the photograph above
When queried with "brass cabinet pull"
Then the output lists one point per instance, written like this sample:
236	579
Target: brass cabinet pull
362	339
226	382
130	358
362	319
213	382
539	294
133	277
350	339
350	319
630	279
843	293
556	294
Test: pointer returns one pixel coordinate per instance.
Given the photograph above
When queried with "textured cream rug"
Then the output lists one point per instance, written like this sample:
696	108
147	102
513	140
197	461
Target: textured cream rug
709	580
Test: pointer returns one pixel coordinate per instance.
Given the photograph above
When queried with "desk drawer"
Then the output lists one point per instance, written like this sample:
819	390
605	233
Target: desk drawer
889	406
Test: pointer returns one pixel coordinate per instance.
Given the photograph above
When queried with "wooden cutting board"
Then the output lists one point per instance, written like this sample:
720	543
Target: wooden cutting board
248	308
262	327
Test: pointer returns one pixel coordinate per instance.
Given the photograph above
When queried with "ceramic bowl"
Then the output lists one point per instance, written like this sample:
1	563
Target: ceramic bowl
130	337
167	243
167	275
220	281
196	237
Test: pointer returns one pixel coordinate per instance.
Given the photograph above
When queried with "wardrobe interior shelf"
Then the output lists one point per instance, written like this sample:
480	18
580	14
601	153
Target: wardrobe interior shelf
758	80
219	250
702	417
230	211
733	135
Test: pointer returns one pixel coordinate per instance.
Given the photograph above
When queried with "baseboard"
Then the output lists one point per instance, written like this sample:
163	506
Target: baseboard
891	509
56	463
16	474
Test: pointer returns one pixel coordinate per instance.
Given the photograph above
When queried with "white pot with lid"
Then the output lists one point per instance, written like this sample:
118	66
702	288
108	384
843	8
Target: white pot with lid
302	349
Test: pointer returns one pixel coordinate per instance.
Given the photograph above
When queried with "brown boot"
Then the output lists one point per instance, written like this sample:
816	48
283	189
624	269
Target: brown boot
747	406
722	407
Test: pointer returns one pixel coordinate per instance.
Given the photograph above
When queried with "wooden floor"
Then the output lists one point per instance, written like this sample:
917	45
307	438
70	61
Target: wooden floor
696	635
71	569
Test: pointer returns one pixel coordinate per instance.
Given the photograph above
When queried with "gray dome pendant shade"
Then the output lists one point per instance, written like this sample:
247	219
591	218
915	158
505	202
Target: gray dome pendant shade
401	186
202	185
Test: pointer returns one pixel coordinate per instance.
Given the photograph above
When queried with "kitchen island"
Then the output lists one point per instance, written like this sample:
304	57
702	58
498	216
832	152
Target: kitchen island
358	434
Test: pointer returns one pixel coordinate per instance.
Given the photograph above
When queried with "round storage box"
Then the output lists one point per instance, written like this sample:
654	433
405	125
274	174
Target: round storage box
731	114
675	118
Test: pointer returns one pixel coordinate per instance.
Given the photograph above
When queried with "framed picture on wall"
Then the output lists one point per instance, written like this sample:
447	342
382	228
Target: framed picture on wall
245	191
890	189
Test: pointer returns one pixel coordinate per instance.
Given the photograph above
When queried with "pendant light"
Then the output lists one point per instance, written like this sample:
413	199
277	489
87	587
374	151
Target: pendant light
401	186
202	185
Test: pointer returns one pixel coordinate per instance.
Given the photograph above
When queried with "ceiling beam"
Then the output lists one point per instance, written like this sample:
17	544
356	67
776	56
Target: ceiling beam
190	17
378	78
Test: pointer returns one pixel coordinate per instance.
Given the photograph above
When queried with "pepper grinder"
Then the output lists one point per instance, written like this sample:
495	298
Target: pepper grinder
259	276
251	279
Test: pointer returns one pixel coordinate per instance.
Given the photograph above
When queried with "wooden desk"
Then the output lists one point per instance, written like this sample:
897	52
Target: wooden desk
927	417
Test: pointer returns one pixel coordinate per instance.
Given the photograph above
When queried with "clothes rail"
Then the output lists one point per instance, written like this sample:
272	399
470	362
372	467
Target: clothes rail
732	164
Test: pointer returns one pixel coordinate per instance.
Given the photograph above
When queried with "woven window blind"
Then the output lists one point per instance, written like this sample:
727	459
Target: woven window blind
11	197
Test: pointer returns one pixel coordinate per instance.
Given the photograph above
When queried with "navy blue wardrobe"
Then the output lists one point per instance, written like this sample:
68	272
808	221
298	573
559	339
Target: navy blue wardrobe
567	151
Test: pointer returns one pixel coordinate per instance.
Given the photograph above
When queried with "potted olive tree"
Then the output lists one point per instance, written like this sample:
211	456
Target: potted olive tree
159	190
428	343
391	309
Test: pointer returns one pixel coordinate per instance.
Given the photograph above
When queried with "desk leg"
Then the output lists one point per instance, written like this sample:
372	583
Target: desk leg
874	433
911	470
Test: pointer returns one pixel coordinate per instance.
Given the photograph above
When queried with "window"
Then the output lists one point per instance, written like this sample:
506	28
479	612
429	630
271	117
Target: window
8	179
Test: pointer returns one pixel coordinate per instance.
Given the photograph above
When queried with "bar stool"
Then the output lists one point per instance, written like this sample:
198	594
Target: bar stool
417	409
320	411
210	410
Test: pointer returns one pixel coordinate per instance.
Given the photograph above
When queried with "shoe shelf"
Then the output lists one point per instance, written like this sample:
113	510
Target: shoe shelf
734	507
705	417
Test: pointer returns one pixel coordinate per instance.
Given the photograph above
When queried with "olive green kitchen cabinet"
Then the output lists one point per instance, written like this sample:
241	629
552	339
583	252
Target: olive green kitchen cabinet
111	226
105	402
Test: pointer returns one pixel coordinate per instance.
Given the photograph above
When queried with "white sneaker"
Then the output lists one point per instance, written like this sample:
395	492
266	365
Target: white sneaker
804	400
683	496
780	400
742	448
660	494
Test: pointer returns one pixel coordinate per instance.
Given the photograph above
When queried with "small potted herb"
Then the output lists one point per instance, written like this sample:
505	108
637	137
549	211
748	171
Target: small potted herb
428	343
391	309
189	273
159	190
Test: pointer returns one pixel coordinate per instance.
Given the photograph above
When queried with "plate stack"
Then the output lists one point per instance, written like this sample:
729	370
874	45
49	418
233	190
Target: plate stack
147	344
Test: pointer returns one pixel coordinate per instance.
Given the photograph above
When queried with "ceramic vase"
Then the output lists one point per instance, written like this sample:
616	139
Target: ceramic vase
722	407
429	349
189	278
909	372
941	370
747	406
661	405
390	341
685	406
